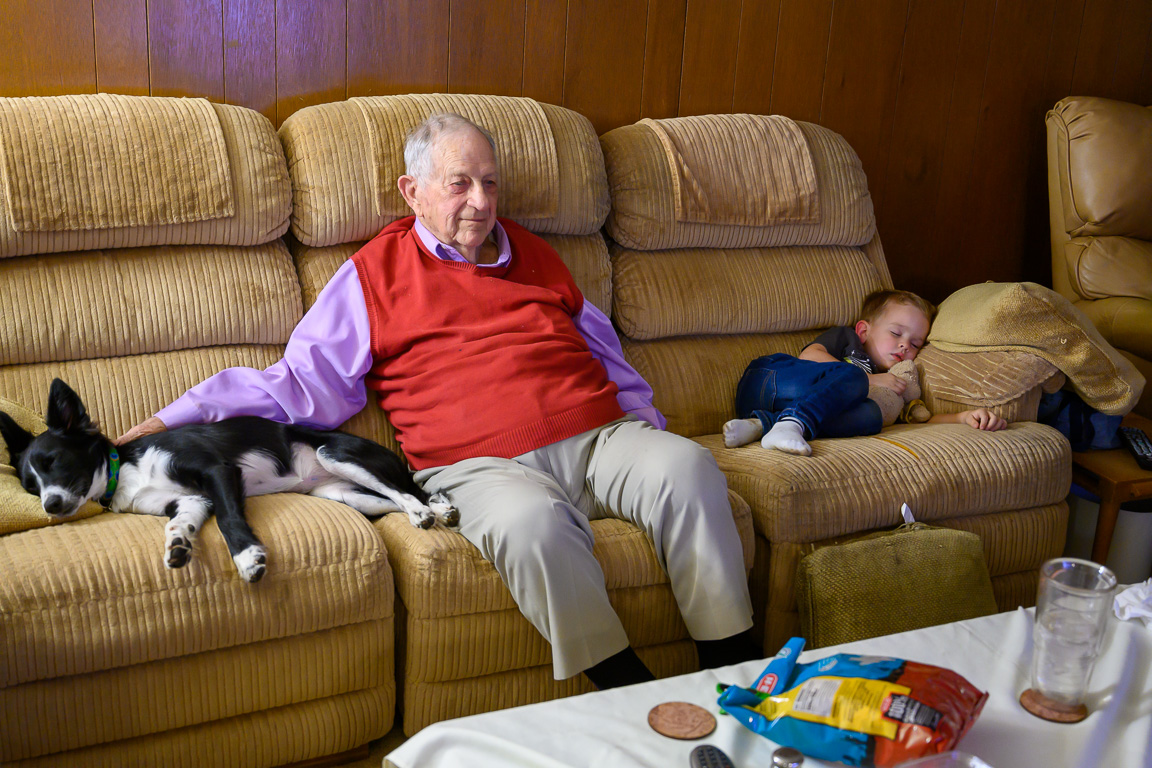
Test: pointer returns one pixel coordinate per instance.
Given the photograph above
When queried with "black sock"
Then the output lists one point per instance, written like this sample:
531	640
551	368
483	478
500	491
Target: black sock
624	668
727	650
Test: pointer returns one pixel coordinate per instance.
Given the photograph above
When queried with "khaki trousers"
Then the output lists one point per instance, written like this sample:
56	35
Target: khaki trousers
529	517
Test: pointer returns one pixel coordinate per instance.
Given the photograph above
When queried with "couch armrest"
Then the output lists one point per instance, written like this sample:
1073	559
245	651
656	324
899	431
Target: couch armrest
1009	383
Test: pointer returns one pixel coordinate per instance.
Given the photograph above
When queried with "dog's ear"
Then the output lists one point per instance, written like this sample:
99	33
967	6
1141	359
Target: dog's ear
65	411
15	437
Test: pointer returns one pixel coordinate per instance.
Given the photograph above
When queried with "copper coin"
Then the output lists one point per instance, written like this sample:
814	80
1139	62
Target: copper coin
681	720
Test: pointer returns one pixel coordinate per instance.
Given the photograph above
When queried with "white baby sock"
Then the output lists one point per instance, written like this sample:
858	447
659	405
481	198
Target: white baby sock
787	435
740	432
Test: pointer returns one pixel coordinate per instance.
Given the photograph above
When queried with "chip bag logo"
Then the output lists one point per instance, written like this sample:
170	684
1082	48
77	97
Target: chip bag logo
767	683
827	664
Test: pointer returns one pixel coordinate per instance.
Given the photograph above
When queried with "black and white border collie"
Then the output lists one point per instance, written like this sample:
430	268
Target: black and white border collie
194	471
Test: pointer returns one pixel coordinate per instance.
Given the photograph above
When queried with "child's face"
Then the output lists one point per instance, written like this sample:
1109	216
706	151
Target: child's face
897	334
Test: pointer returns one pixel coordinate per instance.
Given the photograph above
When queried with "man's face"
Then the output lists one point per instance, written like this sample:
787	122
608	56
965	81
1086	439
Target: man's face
897	334
457	203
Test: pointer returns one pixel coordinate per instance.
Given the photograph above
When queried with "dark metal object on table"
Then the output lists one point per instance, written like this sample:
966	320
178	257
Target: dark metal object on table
787	757
709	756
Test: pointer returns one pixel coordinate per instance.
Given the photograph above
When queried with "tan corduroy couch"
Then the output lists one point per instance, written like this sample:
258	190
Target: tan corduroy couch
124	662
148	256
704	281
463	645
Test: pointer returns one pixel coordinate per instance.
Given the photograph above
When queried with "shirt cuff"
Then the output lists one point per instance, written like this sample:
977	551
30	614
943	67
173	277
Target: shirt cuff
182	411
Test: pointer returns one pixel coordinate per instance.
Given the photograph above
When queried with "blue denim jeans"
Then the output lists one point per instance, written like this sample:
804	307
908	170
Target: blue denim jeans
829	399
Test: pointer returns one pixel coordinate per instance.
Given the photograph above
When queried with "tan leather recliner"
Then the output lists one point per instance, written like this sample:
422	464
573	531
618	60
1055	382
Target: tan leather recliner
1100	208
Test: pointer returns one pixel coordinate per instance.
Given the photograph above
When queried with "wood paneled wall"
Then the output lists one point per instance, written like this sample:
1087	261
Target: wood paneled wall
944	100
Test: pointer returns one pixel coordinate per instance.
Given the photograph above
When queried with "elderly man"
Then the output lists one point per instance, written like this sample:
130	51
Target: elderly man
510	394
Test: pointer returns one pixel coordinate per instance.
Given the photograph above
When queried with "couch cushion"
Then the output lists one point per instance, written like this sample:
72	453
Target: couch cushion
261	192
643	214
1103	166
140	300
151	698
694	378
463	622
303	733
751	290
332	154
1124	322
525	148
104	161
95	595
1100	267
941	471
154	380
1032	318
747	170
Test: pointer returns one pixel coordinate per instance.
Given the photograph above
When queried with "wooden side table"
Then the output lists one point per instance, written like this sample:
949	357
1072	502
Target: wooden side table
1116	478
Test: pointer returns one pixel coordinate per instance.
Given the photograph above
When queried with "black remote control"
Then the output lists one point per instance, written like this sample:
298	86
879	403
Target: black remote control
1138	445
708	756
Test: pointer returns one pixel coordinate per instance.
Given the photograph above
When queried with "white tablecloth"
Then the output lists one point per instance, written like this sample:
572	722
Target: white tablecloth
610	728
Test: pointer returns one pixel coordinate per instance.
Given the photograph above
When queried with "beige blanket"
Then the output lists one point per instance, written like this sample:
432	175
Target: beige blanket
1028	317
106	161
744	170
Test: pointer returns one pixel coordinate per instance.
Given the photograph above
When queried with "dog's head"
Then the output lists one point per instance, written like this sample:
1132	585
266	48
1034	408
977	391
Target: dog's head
66	465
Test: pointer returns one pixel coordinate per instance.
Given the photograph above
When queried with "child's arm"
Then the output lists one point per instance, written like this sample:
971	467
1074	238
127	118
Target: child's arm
977	418
817	353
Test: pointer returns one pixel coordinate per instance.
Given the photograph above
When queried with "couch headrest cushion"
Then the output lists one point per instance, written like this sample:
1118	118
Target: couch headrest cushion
529	177
746	170
106	160
1031	318
1103	165
345	157
109	171
644	189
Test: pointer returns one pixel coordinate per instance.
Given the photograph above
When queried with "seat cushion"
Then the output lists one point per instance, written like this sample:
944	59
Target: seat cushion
94	595
941	471
465	641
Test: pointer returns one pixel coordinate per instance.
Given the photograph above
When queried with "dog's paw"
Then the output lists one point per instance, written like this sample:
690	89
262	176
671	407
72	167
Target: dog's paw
445	513
251	563
422	518
179	552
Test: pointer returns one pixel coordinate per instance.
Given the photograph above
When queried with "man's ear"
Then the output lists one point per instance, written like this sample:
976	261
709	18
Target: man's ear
15	437
65	411
407	186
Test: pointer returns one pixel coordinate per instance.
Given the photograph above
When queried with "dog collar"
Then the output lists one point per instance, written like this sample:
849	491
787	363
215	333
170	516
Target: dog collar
113	478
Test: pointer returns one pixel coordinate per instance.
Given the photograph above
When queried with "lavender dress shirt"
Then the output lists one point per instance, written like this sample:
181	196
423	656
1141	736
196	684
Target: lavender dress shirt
320	381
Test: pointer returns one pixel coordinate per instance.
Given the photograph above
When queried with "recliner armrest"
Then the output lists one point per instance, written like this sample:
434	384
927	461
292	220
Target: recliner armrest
1009	383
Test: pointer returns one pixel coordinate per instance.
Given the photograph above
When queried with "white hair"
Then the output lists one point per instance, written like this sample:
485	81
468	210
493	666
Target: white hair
419	142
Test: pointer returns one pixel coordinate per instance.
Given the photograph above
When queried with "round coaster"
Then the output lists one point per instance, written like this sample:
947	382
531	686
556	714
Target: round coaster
681	720
1043	707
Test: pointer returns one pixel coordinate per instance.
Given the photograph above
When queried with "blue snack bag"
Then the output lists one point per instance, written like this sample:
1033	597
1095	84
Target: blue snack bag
855	709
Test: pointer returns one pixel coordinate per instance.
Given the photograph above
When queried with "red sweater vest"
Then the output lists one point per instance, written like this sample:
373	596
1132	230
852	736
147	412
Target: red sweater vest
478	361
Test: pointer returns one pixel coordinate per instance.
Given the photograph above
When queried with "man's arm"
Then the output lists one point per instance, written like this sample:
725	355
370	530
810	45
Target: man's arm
318	383
635	394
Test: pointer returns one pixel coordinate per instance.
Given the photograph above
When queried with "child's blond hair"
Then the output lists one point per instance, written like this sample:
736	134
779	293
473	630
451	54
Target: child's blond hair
876	302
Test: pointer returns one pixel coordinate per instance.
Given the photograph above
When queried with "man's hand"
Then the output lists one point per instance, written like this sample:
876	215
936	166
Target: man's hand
147	427
982	418
888	381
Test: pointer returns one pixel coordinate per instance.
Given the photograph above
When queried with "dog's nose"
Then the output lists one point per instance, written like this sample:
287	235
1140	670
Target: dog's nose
54	505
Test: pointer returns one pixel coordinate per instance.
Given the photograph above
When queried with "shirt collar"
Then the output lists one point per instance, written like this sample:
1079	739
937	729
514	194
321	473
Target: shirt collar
448	253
